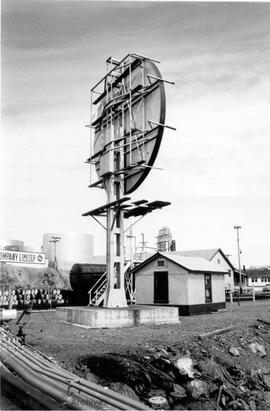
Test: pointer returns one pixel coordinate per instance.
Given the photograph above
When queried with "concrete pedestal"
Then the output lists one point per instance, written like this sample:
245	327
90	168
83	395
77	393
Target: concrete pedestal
100	317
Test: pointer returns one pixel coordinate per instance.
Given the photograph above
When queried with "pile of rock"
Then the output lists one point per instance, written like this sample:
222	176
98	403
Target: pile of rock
231	371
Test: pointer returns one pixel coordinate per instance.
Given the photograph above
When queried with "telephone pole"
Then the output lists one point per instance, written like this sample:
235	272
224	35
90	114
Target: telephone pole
237	228
55	240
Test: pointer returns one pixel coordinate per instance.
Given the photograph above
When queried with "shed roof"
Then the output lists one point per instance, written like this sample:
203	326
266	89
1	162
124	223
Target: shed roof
207	254
258	272
192	264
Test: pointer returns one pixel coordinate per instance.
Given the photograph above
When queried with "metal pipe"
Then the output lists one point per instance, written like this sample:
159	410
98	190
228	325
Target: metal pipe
65	384
52	375
40	383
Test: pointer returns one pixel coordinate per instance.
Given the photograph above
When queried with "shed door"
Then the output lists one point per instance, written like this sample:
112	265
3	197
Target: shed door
161	289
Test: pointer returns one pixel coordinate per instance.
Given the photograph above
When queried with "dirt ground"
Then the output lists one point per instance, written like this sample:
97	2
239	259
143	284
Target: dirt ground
148	348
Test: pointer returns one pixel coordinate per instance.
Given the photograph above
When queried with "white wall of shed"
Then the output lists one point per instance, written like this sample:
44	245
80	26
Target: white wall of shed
196	289
228	278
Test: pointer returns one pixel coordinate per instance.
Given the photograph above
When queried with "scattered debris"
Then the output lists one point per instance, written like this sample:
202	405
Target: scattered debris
184	366
158	403
215	332
255	347
199	375
263	321
197	389
179	393
234	351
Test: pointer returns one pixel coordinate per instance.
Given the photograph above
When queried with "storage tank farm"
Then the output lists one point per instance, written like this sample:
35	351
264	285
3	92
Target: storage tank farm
71	248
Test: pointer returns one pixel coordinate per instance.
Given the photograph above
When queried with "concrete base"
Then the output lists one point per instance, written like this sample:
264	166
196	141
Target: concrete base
100	317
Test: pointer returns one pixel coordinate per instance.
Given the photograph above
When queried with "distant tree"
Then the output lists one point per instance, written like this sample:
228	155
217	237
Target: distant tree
48	278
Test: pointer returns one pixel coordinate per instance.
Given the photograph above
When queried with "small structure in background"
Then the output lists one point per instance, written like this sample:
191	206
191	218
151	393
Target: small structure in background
193	284
165	240
259	278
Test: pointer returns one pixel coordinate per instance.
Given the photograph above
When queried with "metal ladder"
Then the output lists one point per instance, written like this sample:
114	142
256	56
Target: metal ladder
97	292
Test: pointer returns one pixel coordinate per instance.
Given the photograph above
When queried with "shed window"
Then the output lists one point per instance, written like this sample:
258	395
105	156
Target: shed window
161	263
208	288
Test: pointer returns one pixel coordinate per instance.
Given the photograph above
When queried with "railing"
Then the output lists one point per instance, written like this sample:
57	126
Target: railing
97	291
130	291
96	288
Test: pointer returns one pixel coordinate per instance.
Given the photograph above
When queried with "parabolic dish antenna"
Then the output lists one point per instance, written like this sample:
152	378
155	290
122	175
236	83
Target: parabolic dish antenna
130	116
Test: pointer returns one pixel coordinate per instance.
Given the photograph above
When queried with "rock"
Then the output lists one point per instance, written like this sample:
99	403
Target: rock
266	397
178	394
197	389
156	355
91	377
164	352
255	347
184	366
213	388
266	380
222	358
264	370
202	405
252	405
178	407
124	389
238	405
210	368
234	351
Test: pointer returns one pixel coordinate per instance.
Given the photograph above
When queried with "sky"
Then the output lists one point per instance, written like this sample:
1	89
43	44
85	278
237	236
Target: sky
215	167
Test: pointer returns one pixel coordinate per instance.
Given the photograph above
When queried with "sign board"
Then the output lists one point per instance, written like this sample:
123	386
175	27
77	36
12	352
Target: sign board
22	257
130	117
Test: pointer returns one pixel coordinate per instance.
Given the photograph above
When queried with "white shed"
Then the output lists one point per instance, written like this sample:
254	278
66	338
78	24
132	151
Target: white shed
193	284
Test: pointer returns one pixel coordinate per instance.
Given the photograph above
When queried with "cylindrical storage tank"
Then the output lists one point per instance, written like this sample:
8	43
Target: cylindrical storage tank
8	244
70	248
31	249
82	278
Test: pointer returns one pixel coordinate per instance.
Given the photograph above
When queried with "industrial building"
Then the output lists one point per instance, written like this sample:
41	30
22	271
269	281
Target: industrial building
258	277
193	284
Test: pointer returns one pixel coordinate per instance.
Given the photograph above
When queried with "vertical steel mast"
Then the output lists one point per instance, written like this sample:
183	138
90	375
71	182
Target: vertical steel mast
114	186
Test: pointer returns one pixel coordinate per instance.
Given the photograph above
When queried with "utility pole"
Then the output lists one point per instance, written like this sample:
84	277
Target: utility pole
237	228
55	240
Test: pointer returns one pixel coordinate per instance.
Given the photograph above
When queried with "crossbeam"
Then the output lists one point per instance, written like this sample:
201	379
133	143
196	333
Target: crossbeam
102	209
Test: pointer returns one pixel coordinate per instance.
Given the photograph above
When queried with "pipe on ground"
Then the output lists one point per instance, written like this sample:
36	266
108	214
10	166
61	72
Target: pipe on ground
51	378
